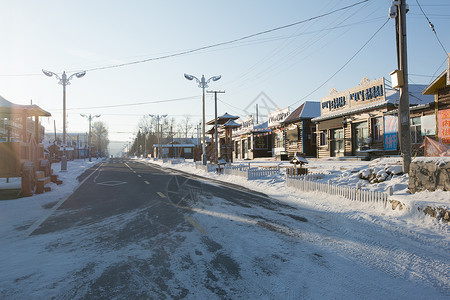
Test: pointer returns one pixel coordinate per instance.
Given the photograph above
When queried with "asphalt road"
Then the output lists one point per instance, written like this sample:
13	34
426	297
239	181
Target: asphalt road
124	203
136	231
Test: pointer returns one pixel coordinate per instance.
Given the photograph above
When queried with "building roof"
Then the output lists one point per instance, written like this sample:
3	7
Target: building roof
231	124
438	83
262	127
8	108
308	110
222	119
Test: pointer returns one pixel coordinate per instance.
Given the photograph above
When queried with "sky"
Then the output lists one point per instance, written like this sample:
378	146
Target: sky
289	65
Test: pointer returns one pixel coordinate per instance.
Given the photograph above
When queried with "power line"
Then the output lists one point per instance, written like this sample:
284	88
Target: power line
227	42
432	28
133	104
345	64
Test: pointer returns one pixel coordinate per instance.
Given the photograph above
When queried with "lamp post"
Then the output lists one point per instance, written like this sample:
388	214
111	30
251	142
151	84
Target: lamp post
203	83
90	118
158	117
64	80
145	129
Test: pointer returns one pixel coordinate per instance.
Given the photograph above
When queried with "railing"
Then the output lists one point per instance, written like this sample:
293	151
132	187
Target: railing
306	184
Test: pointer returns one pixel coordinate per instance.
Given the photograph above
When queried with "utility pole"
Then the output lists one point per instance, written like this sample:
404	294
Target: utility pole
403	109
215	123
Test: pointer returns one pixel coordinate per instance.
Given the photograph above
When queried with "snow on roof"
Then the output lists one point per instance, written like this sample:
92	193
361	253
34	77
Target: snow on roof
9	108
308	110
415	95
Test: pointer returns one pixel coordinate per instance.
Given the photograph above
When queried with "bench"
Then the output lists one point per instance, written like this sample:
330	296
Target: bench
41	181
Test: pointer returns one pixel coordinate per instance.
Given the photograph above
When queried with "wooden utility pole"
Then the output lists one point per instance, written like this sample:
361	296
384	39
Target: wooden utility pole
215	123
403	108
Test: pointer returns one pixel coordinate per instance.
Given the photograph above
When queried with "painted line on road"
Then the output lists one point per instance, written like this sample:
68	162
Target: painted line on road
195	224
161	195
146	182
39	222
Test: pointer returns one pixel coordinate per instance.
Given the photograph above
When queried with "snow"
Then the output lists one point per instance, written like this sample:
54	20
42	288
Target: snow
313	255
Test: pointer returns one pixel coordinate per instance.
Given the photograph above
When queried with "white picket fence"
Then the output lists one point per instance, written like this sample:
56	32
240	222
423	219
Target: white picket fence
249	173
207	168
352	193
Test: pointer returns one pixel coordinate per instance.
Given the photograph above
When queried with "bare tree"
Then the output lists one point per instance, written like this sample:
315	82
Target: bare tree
100	139
185	126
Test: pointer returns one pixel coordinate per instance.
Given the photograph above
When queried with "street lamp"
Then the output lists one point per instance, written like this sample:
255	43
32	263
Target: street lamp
158	117
90	118
202	83
64	80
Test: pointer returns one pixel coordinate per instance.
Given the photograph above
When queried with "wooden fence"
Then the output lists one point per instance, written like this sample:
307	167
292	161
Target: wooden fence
352	193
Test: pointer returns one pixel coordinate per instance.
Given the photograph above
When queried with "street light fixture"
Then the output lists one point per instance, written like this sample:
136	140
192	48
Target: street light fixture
203	84
90	118
64	80
158	117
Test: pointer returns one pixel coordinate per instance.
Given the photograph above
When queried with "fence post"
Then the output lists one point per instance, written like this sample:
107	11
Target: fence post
358	192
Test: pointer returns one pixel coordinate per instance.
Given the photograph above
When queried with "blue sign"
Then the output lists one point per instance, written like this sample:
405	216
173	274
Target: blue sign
390	133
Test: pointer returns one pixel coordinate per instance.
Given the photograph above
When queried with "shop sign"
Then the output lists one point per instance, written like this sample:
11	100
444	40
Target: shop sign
390	133
444	126
365	93
247	123
428	125
278	116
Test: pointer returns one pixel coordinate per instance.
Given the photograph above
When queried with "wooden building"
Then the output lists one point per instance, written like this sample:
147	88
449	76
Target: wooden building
356	122
301	131
440	89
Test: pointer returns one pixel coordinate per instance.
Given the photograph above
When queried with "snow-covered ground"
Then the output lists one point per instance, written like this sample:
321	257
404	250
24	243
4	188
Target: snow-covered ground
345	173
26	262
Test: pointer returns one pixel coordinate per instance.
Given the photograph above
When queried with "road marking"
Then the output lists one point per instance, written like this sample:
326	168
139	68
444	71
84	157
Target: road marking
161	195
146	182
112	183
139	175
195	224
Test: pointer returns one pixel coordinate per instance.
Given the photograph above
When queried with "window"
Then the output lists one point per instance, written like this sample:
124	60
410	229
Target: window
279	139
323	138
376	125
416	127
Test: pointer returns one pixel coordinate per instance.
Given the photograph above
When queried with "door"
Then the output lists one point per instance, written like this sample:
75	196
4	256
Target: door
337	142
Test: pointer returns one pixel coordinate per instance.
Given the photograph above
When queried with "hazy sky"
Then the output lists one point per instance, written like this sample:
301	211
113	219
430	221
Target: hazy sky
286	64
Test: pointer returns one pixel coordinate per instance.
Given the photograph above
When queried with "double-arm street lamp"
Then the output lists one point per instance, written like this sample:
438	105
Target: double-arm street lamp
202	83
158	117
90	118
64	80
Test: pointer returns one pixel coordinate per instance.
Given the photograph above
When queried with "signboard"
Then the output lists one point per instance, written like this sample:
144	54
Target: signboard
444	126
247	123
390	133
428	125
367	92
278	116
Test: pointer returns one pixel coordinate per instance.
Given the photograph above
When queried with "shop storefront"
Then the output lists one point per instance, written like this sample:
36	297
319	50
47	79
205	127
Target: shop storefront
355	122
300	131
440	89
251	141
275	124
